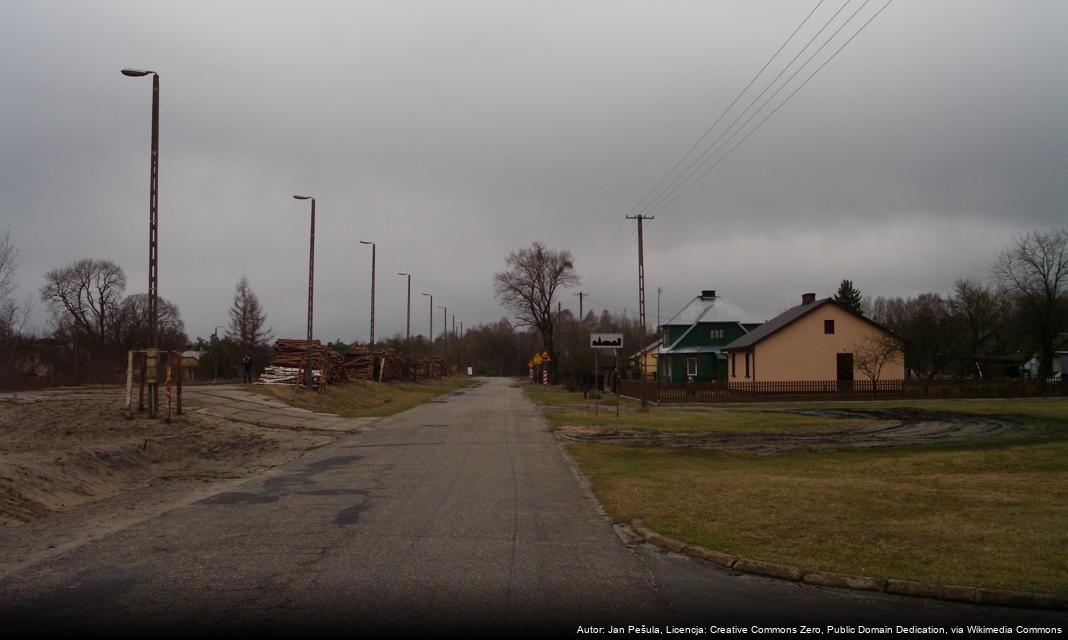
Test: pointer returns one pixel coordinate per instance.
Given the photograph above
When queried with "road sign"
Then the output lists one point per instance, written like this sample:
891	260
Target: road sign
606	340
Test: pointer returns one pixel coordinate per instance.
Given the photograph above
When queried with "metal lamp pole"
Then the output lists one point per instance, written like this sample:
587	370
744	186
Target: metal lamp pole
217	350
431	314
444	329
408	322
308	379
153	233
374	249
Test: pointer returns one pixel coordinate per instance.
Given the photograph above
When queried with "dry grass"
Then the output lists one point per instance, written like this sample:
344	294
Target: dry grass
365	398
985	516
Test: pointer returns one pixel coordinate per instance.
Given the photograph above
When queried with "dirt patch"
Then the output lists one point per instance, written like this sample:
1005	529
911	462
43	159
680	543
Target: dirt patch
59	450
891	428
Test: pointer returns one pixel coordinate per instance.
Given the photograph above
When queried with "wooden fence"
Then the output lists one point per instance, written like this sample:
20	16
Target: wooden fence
830	390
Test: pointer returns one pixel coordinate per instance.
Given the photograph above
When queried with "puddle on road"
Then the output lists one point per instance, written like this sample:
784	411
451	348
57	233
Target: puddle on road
292	484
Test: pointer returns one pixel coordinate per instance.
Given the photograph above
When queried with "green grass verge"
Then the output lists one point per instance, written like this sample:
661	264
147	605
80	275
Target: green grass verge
364	398
988	516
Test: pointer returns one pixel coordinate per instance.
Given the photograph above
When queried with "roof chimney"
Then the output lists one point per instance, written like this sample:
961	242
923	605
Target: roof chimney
808	298
708	293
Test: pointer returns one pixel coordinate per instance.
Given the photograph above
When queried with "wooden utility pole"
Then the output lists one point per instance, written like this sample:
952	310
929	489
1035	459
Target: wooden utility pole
641	305
580	294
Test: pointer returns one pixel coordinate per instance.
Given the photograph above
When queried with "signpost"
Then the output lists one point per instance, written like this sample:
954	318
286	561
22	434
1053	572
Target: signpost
599	341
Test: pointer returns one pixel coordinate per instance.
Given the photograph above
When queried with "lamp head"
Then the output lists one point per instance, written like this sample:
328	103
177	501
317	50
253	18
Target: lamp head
405	274
137	73
303	198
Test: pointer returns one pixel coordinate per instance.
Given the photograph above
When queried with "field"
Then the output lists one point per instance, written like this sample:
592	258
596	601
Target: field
364	398
971	492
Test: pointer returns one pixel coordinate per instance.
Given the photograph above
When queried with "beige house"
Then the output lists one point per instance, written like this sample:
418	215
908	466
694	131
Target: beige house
816	340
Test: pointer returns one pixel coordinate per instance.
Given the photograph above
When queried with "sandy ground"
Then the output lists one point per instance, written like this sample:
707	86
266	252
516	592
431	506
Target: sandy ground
73	467
891	428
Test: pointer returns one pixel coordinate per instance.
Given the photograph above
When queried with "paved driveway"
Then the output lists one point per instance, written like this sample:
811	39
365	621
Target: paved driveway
460	514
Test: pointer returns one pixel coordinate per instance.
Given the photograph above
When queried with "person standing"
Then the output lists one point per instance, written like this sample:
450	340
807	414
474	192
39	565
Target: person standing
246	367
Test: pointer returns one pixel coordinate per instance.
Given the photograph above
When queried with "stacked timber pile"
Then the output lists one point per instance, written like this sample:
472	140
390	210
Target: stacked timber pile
293	354
428	366
380	364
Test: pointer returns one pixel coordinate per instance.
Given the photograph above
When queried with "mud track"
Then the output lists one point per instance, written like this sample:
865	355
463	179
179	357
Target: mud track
893	428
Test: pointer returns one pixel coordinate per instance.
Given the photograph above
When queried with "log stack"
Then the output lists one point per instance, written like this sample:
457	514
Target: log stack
379	364
290	353
428	366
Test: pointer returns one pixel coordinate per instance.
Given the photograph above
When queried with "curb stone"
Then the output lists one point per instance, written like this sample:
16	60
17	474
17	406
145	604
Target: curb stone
955	593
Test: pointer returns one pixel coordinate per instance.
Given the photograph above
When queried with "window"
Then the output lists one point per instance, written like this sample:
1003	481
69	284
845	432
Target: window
691	366
716	334
734	365
828	326
746	364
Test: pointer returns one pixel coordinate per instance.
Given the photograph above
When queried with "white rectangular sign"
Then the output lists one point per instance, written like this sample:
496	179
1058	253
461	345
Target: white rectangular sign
606	340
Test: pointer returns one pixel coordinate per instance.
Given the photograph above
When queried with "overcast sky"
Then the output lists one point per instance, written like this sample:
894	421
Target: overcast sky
454	132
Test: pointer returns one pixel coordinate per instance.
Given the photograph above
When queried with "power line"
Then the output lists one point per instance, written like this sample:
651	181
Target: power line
781	104
699	162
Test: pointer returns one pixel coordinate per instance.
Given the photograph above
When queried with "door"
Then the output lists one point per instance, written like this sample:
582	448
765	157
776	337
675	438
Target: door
845	371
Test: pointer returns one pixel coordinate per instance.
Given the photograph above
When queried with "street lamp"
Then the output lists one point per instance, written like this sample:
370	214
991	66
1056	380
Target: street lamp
311	292
431	314
445	329
374	249
215	335
408	325
153	232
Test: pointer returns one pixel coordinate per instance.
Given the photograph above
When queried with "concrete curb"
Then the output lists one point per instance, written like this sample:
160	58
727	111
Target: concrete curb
954	593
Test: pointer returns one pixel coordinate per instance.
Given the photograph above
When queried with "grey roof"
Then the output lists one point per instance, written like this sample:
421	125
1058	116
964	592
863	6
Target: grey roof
716	309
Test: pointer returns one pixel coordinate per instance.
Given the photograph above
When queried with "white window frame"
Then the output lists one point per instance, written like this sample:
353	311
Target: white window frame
715	334
689	371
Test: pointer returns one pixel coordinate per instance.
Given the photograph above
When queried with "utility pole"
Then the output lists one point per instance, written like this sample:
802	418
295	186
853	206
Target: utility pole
431	314
444	330
215	335
308	378
408	325
659	290
641	305
374	249
461	358
153	237
580	294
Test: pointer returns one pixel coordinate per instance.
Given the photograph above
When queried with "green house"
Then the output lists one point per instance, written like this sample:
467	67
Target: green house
694	339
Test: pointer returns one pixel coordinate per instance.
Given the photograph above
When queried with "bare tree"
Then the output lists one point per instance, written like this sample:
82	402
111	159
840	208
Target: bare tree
85	296
528	286
247	318
1035	269
873	352
132	329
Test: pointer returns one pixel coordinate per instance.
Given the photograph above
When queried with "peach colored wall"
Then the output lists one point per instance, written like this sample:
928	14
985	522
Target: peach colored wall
802	351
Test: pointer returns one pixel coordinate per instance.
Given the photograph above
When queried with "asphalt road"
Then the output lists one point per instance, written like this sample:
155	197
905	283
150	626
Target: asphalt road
460	515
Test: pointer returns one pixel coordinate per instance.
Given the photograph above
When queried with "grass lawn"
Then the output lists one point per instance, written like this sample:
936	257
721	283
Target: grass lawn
571	409
989	516
568	408
365	398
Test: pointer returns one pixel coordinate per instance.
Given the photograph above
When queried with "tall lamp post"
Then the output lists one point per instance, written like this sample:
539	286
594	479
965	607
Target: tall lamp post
408	322
445	330
153	234
308	380
431	314
374	248
215	334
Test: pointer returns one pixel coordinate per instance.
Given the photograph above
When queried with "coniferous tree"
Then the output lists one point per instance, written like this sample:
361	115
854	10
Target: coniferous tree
849	297
247	319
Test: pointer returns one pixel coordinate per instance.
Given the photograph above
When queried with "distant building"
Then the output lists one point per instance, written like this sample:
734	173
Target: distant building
694	338
648	358
816	340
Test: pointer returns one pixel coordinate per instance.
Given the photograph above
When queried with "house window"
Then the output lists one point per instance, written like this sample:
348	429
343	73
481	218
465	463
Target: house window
691	366
746	364
716	334
828	326
734	365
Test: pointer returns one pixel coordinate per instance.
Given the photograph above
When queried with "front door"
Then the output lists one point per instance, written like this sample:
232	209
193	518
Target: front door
845	370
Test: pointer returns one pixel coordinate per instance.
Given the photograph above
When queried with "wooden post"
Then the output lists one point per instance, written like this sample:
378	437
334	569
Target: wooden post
180	375
170	367
596	385
129	384
141	395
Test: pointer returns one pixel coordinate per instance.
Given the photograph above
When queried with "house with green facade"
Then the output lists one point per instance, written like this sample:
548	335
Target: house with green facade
693	339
